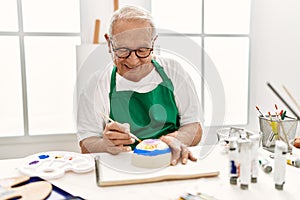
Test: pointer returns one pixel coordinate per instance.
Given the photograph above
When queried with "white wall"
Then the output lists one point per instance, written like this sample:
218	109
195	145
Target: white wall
275	48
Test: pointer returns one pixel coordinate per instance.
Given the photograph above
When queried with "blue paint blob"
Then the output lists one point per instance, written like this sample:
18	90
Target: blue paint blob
43	156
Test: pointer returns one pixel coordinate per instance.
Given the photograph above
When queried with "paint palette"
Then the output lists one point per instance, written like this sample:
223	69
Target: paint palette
54	164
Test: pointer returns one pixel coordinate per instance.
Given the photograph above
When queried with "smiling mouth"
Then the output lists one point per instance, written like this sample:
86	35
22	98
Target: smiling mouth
128	66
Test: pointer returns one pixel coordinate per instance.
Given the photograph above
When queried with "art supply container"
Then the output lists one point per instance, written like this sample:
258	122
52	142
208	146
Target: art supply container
272	129
225	133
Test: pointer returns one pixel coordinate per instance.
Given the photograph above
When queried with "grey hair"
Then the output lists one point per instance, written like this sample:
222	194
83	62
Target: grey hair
130	13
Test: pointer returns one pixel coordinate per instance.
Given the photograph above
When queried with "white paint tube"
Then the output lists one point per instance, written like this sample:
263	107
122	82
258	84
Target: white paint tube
233	160
280	164
254	157
245	163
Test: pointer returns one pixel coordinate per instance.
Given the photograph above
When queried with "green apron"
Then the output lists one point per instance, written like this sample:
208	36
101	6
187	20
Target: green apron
151	114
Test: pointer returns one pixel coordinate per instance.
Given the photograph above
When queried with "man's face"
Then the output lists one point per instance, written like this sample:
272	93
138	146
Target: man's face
132	35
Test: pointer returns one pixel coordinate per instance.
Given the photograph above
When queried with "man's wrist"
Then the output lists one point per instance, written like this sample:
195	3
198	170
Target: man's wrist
173	134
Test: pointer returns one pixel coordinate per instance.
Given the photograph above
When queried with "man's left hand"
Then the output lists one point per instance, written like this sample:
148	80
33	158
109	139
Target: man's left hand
179	150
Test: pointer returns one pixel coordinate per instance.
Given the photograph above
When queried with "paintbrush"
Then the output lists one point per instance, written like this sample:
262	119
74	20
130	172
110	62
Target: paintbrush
257	108
111	120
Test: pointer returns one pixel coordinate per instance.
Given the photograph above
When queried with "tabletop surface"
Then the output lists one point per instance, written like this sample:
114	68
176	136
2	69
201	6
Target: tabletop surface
84	185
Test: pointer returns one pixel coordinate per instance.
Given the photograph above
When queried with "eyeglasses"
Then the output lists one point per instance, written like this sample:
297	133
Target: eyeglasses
124	52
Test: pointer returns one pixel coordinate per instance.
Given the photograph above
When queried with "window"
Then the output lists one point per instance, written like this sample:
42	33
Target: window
214	36
37	66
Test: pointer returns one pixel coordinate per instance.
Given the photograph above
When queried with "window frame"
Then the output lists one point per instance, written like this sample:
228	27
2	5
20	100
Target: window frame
26	137
204	35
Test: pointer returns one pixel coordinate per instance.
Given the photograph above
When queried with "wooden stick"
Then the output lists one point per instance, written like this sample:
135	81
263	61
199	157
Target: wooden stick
290	95
96	31
158	178
116	5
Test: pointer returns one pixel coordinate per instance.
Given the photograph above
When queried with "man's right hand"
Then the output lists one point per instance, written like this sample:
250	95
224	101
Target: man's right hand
115	136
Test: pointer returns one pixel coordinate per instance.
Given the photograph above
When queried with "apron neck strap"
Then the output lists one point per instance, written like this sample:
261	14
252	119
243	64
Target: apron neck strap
158	68
113	79
166	81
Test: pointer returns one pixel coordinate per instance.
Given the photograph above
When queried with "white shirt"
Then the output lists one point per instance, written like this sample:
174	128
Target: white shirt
95	97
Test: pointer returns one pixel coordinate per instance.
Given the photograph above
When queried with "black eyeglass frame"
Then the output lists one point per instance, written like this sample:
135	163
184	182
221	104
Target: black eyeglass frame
131	50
